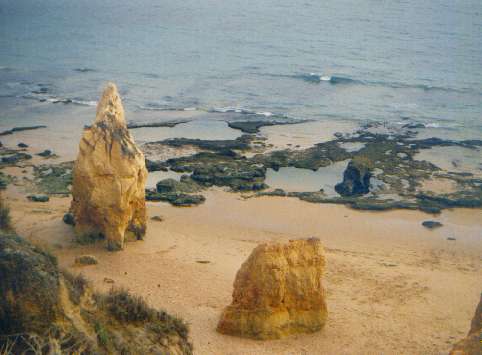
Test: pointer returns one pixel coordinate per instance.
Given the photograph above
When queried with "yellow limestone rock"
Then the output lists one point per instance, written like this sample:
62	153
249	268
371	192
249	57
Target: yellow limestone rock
472	343
277	292
109	178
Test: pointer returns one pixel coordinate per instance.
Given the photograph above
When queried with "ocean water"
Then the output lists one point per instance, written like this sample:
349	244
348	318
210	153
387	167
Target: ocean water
305	59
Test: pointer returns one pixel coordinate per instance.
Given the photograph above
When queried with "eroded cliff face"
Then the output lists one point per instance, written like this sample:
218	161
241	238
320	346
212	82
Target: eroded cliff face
47	311
277	292
472	343
109	178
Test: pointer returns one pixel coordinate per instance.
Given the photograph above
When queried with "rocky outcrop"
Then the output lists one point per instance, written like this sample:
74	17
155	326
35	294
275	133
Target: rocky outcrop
356	179
46	311
277	292
109	178
471	344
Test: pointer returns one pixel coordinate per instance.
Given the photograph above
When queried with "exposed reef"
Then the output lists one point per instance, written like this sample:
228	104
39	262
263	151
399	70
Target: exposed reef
169	124
383	174
217	169
241	143
254	126
178	193
20	129
54	179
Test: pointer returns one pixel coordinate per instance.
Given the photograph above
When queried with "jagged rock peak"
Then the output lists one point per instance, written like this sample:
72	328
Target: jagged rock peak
109	108
108	187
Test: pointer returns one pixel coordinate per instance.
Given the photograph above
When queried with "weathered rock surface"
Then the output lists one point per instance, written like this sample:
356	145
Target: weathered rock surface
109	178
277	292
471	344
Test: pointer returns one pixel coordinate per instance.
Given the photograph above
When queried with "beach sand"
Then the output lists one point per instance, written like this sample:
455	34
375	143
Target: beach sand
393	287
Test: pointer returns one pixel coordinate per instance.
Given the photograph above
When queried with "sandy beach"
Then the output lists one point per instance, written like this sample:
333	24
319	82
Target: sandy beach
393	287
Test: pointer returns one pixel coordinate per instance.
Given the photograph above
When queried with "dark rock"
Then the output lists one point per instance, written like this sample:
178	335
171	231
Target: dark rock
240	143
38	198
431	224
22	145
15	158
155	165
413	125
219	169
451	238
252	127
69	219
157	218
42	90
168	124
20	129
175	199
356	179
46	153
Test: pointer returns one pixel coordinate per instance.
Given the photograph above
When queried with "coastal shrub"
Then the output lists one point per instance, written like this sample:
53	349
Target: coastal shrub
76	284
102	334
4	215
128	308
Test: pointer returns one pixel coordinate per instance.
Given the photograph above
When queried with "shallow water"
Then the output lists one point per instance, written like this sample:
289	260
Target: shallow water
456	159
306	59
302	180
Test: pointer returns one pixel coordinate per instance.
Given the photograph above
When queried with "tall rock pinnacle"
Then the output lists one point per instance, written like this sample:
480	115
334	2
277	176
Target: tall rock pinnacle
109	178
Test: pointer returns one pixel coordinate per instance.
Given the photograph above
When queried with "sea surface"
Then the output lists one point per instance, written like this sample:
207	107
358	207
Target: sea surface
303	59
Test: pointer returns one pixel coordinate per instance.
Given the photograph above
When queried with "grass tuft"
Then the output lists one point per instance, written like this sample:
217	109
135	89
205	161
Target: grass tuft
76	284
129	308
5	221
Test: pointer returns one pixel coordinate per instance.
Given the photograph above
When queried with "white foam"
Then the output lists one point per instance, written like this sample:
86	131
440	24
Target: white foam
85	103
266	114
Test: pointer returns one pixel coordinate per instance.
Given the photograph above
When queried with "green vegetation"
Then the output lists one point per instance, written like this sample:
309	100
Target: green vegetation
128	308
4	215
54	178
76	285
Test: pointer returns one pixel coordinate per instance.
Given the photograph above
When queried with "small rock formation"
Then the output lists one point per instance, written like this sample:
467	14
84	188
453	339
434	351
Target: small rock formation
277	292
46	153
472	344
109	178
431	224
356	179
86	260
38	198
